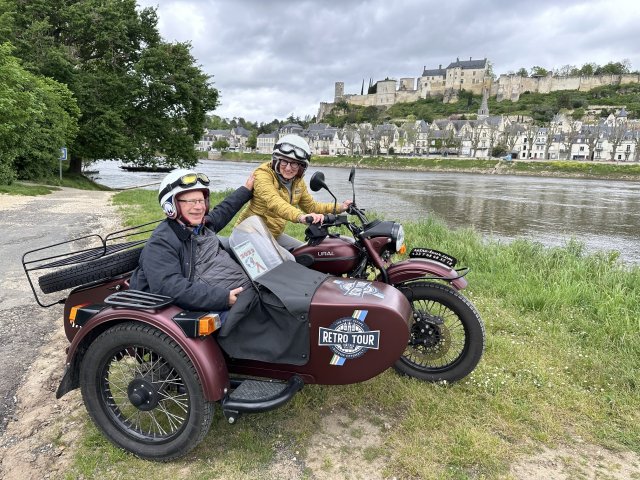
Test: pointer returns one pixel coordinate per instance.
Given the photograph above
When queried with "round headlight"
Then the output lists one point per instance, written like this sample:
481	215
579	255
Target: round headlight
397	235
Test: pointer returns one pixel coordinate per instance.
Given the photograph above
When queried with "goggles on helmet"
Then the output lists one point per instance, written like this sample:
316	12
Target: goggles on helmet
298	152
187	180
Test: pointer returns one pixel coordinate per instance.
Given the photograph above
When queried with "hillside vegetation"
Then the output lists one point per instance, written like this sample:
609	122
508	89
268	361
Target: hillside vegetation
541	107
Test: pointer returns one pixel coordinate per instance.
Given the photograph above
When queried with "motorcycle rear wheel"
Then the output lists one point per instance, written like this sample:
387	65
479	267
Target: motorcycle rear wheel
446	338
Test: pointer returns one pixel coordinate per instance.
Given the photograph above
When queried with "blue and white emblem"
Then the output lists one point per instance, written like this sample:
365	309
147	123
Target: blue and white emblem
349	337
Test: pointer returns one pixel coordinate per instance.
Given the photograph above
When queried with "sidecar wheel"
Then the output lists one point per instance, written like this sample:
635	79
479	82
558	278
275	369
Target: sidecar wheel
446	337
143	393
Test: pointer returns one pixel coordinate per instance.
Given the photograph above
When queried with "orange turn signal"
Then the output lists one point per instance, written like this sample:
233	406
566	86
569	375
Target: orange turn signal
403	249
209	323
74	311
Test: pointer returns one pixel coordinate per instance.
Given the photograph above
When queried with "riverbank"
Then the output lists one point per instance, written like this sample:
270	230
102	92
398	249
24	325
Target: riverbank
559	168
554	395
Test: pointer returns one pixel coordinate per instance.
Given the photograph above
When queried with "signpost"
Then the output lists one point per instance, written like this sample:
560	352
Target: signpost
63	158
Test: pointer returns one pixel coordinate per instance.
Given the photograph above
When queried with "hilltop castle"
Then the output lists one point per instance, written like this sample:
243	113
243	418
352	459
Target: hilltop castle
471	75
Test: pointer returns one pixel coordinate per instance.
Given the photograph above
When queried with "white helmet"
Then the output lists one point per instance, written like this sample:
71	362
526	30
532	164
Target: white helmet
291	147
176	182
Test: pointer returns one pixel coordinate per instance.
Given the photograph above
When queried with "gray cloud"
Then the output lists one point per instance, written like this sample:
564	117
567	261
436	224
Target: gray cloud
273	58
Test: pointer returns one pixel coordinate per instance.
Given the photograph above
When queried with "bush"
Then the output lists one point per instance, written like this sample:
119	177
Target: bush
7	175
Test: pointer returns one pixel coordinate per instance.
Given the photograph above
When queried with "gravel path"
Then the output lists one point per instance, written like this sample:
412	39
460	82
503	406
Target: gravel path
34	426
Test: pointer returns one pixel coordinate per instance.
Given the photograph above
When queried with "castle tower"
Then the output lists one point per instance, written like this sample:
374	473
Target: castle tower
339	92
483	111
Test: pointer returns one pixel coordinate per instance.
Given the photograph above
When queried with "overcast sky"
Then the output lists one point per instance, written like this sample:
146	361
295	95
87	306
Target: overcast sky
273	58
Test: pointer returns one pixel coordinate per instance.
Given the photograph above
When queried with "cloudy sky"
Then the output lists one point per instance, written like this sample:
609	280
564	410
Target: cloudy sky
273	58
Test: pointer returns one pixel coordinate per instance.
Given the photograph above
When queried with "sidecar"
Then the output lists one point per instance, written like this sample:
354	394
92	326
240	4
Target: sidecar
151	373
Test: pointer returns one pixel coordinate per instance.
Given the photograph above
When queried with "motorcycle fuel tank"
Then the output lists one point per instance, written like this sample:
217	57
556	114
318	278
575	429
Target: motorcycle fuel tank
334	255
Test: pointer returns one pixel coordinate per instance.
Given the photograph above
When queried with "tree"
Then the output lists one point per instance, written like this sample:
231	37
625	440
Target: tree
141	99
537	71
592	135
39	116
510	136
522	72
588	69
220	144
614	68
252	141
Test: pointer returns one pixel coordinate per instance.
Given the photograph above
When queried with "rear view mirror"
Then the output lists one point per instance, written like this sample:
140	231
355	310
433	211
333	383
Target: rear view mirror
317	182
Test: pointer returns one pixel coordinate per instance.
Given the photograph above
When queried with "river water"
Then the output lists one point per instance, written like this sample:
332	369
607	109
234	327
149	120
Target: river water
602	214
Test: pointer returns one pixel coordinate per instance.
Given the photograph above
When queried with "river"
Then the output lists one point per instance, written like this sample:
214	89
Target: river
602	214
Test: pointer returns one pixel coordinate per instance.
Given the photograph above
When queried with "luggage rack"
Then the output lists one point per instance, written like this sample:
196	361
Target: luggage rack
52	257
138	299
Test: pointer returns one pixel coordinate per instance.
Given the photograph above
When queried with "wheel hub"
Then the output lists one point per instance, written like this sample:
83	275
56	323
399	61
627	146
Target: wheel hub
429	331
142	394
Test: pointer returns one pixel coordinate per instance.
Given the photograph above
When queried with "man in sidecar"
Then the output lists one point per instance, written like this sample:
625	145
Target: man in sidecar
184	259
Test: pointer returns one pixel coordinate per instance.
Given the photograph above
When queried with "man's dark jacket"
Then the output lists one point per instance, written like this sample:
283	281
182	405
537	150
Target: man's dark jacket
167	262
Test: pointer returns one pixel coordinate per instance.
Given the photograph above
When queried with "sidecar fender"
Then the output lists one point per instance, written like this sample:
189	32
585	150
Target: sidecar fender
420	268
204	352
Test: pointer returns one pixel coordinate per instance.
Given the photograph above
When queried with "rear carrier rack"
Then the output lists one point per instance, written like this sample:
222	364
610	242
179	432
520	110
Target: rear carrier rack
138	299
83	260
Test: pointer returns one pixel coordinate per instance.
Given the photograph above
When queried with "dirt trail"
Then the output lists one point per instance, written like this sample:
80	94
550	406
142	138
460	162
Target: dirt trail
38	432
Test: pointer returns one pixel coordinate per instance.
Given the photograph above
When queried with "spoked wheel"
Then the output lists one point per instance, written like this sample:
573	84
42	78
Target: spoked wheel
446	337
143	392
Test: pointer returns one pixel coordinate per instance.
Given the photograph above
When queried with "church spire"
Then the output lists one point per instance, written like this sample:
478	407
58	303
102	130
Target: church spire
483	111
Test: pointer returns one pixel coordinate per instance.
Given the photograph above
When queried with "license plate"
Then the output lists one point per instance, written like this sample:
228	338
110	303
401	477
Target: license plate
434	255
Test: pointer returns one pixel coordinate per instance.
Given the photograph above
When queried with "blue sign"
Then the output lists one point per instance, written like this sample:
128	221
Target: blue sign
63	154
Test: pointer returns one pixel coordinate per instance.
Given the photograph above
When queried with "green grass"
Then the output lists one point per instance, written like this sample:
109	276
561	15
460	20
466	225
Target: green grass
561	363
45	185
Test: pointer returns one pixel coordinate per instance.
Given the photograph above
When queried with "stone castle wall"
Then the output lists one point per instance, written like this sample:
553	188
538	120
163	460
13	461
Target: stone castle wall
510	87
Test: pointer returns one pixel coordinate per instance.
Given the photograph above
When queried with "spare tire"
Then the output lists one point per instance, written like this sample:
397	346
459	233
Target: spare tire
104	267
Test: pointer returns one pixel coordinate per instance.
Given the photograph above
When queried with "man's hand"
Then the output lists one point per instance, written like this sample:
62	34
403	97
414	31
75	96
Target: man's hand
317	217
250	180
233	295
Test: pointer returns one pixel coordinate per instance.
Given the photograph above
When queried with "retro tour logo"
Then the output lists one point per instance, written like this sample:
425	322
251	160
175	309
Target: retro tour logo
349	337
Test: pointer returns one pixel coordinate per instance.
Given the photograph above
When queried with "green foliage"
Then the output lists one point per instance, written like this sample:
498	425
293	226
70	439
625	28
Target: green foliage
39	115
499	150
221	144
141	99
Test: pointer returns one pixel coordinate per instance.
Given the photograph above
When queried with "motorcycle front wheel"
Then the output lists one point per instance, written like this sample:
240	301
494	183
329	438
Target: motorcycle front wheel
143	392
446	334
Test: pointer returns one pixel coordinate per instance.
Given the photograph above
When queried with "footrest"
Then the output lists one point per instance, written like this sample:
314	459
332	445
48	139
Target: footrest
253	396
256	390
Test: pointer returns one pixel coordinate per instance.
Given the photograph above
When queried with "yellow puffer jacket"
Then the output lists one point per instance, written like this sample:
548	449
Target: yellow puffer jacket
272	202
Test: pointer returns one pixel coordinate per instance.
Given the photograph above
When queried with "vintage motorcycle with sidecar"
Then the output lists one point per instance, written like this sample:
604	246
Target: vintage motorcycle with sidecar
150	372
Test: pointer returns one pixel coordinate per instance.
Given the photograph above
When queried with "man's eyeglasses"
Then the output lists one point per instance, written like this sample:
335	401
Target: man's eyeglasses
187	180
194	202
293	165
298	152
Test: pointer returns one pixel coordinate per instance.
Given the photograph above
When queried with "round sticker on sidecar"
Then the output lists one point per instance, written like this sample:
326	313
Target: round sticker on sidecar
349	337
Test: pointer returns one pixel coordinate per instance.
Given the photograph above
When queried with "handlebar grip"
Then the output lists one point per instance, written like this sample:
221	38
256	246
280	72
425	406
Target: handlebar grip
308	219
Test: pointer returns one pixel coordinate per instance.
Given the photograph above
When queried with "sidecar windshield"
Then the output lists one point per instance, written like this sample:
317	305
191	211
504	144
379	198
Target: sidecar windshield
255	248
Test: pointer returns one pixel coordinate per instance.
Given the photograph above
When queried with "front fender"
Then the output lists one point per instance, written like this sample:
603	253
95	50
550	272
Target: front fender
421	268
204	352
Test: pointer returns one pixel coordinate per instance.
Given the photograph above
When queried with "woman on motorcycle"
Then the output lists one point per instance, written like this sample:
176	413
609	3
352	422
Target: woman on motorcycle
280	194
